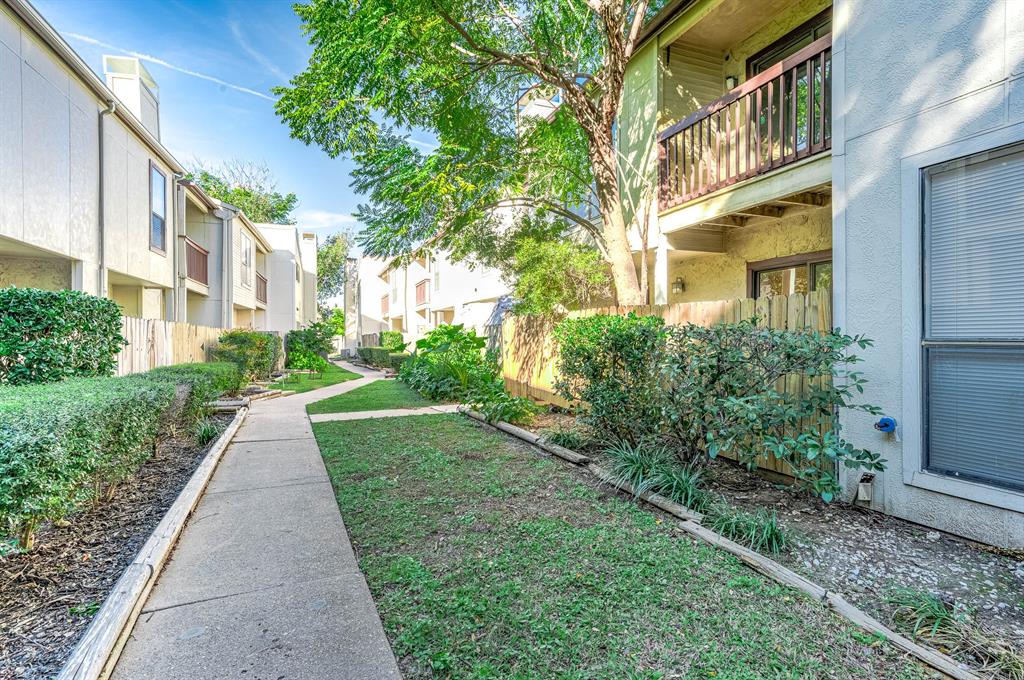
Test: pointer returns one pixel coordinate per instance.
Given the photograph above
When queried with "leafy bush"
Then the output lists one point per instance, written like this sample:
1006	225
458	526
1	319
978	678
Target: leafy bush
47	336
448	364
364	353
392	341
64	444
723	389
608	365
396	359
335	319
314	338
304	360
380	357
254	352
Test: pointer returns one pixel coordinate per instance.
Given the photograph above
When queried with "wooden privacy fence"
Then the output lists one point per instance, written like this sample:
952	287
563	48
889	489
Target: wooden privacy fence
155	342
530	353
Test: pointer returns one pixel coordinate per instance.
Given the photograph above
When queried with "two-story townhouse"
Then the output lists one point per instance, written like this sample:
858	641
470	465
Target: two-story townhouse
87	187
291	264
90	199
418	296
876	150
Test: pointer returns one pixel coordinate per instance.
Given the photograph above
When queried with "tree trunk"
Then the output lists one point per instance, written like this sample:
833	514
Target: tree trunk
613	221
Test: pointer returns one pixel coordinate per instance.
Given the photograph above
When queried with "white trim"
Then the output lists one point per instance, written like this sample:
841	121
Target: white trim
912	197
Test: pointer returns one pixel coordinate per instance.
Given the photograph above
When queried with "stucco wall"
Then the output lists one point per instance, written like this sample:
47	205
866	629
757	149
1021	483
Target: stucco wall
244	285
35	272
723	276
206	229
49	133
912	78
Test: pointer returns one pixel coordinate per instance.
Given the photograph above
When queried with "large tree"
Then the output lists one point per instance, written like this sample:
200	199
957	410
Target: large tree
330	265
457	69
247	185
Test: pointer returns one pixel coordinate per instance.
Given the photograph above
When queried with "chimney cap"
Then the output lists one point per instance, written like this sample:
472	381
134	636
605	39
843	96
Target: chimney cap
130	66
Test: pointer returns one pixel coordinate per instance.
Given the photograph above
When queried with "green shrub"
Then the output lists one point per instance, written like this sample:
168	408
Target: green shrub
396	359
567	437
314	338
206	431
491	400
721	389
64	444
657	469
380	357
392	341
256	353
758	530
47	336
448	363
304	360
364	353
608	366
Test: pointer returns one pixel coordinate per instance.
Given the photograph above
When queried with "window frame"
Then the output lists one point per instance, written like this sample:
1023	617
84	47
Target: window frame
802	259
160	248
246	257
912	234
791	36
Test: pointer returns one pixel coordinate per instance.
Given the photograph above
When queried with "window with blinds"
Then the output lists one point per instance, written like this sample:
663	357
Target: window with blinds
974	318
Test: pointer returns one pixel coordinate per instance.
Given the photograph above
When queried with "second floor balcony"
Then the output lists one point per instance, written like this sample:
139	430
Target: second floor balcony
423	292
744	92
261	288
197	262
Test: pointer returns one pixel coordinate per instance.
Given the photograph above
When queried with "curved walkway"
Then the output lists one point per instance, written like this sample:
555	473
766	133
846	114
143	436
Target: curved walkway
263	582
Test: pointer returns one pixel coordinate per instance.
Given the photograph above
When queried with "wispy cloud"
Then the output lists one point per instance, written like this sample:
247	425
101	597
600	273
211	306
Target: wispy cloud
259	58
315	220
429	146
160	62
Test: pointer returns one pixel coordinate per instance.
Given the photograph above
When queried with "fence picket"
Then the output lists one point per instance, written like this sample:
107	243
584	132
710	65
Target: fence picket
155	342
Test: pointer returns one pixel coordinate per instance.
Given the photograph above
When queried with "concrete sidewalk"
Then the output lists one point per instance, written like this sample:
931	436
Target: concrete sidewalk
264	582
385	413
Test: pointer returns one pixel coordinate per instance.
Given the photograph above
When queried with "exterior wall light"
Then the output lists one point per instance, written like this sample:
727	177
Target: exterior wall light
731	82
678	286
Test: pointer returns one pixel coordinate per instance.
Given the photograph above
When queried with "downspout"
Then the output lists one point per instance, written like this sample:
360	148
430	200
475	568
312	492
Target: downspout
101	274
227	315
179	231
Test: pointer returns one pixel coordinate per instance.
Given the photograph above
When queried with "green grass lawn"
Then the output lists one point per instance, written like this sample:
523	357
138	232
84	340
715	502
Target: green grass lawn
304	382
487	560
377	396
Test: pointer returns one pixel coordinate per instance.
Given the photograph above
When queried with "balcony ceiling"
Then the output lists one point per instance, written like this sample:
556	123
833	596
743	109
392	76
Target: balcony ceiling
732	21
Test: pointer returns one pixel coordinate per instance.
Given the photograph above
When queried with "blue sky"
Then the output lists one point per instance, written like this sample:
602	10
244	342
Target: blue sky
249	46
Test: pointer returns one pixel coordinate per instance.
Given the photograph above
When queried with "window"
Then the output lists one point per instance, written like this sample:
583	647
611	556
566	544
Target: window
973	333
788	275
246	260
437	274
791	43
157	209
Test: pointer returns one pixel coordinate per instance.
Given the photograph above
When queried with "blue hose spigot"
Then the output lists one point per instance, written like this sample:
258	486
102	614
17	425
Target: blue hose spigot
886	424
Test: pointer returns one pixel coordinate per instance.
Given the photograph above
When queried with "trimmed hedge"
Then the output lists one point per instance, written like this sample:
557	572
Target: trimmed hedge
47	336
364	353
65	444
392	341
396	359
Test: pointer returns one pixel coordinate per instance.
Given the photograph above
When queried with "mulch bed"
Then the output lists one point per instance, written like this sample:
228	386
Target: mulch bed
866	555
48	596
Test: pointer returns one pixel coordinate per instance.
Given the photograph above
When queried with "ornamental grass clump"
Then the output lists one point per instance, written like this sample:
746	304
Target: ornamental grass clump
657	469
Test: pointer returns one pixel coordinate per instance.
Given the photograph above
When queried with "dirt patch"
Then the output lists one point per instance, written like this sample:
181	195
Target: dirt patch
48	596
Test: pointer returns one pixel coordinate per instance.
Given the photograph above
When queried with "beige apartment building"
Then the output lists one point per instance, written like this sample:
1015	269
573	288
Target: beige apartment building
91	199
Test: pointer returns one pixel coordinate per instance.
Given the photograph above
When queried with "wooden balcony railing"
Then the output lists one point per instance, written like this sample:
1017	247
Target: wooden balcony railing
423	292
261	288
384	306
196	266
773	119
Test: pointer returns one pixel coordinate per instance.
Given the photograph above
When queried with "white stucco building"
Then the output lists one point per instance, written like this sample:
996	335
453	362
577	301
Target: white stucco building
417	297
874	149
91	199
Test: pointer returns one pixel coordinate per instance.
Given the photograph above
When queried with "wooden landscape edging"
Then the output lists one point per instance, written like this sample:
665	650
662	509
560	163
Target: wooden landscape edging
755	560
98	650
